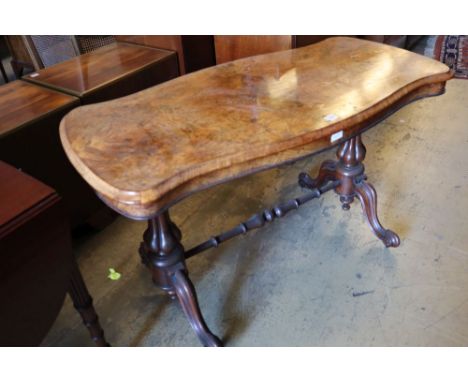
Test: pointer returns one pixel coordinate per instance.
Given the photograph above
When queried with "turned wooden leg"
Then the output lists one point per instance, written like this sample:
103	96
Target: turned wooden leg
349	169
350	173
327	173
83	303
368	197
163	253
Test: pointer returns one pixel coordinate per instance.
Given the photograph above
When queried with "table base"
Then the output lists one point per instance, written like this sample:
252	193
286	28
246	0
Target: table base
349	171
163	253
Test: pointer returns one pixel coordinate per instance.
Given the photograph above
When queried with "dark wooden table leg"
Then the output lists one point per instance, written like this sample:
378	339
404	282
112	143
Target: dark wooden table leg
349	171
368	197
327	173
163	253
83	303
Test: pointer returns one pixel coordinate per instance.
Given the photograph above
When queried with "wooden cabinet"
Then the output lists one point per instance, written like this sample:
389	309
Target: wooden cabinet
193	52
229	48
40	51
112	71
29	140
37	267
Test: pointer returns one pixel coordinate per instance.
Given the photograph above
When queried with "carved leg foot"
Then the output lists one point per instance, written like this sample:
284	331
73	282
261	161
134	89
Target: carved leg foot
163	253
83	303
368	197
327	173
187	297
350	173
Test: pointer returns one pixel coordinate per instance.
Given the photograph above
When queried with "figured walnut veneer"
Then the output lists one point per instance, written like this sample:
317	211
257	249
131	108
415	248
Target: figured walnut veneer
146	151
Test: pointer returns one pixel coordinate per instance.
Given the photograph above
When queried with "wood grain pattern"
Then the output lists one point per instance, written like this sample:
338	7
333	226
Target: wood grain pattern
22	103
87	73
146	151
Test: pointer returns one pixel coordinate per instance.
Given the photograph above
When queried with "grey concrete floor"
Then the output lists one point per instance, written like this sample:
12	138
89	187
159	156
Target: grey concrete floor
293	283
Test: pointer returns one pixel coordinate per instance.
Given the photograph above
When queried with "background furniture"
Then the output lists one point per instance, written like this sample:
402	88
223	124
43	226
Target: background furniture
37	267
30	115
88	43
23	56
193	52
2	70
29	140
40	51
109	72
230	48
5	61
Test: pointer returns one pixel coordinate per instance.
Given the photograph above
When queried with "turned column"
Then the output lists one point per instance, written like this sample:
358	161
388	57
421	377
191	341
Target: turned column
83	303
350	173
349	169
163	253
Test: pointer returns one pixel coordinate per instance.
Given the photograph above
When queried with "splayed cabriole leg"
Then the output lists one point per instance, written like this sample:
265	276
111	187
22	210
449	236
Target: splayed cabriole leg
187	297
83	303
349	171
368	197
327	173
163	253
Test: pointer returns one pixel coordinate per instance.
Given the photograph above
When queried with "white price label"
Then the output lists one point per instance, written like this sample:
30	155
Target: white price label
330	117
336	136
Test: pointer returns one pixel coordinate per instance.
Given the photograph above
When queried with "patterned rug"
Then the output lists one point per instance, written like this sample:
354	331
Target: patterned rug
453	51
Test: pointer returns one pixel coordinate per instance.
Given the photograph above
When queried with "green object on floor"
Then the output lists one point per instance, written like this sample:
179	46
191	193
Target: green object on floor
113	275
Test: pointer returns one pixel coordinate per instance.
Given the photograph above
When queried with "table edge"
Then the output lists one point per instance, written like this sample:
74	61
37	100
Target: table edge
147	203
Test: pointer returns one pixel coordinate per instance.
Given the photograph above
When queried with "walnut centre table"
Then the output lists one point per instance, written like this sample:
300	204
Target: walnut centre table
145	152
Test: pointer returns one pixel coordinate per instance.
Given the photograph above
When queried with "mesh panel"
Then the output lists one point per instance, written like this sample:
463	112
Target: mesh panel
89	43
54	49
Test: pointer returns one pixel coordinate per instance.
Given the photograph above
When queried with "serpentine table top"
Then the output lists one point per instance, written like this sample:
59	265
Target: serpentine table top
144	152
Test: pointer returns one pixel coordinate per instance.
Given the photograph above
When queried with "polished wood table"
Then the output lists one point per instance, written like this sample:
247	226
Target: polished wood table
37	267
144	153
109	72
